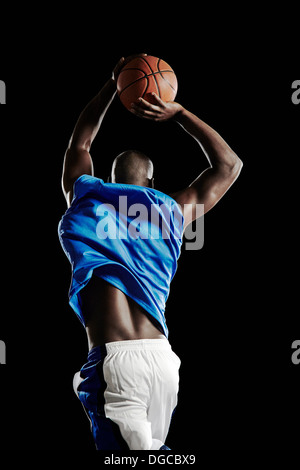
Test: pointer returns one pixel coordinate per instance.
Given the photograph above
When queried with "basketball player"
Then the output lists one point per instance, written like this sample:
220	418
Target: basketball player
121	278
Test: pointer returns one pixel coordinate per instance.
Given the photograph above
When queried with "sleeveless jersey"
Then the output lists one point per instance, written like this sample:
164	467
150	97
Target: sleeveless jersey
128	235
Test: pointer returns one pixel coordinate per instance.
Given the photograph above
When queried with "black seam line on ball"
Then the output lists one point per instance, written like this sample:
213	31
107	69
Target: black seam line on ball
145	76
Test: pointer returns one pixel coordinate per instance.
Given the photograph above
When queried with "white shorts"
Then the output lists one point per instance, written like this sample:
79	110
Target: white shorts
142	386
139	393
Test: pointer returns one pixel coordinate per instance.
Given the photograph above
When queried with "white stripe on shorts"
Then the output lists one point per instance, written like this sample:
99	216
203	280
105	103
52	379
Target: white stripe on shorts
142	386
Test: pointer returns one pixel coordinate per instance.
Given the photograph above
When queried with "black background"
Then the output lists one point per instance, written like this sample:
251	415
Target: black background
232	311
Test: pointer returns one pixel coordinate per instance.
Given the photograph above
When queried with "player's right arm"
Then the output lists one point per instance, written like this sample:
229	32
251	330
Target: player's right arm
224	167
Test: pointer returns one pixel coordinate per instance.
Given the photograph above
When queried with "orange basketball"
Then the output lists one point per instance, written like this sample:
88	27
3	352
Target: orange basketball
143	76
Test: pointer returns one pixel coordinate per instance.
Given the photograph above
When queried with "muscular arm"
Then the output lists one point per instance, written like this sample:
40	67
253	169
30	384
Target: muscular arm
225	166
77	159
213	182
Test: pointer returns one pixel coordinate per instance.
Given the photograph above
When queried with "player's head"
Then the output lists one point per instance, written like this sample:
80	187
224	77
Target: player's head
132	167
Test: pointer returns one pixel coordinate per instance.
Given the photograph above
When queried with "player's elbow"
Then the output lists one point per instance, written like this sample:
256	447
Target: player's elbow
236	166
231	166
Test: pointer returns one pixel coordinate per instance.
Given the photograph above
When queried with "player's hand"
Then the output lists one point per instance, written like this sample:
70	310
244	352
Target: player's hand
160	111
122	62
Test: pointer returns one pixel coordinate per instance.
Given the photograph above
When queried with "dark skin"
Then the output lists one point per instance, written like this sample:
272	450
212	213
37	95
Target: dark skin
110	314
113	316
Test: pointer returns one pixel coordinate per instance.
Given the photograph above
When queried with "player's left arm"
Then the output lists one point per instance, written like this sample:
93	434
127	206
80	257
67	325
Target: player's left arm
77	160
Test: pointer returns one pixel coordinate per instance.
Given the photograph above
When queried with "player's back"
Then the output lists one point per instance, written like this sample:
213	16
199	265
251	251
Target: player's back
113	316
129	236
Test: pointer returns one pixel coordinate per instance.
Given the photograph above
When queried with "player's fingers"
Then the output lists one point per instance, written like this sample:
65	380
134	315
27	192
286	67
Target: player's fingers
134	56
142	112
118	68
158	100
146	105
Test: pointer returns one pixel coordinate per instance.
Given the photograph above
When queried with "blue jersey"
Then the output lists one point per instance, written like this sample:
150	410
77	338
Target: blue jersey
128	235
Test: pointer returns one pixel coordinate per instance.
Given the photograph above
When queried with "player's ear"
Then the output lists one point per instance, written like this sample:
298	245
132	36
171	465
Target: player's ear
151	183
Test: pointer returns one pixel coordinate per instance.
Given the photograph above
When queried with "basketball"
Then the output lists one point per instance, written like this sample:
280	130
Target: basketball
143	76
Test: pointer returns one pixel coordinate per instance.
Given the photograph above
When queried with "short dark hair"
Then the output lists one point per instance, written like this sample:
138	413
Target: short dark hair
132	167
